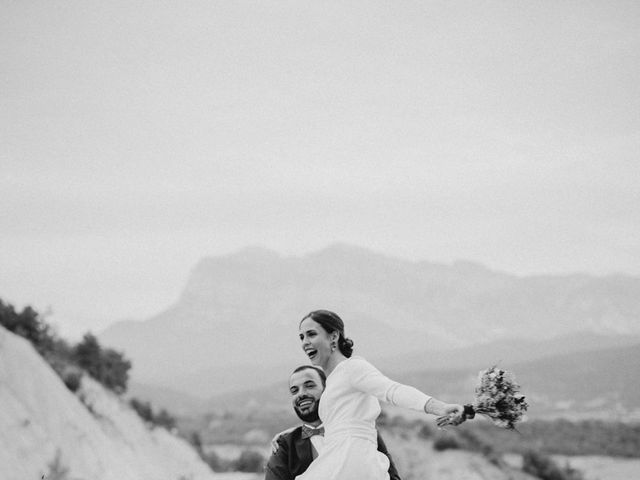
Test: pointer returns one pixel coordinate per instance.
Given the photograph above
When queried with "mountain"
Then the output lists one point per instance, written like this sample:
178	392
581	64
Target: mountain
235	323
507	352
46	430
595	383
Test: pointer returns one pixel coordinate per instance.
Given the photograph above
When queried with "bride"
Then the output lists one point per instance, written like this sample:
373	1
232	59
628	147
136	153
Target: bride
350	405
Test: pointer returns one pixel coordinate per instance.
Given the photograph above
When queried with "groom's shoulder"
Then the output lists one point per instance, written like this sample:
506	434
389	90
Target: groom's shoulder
285	457
291	435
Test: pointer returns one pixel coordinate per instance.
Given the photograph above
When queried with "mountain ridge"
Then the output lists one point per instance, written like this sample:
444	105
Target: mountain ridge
244	307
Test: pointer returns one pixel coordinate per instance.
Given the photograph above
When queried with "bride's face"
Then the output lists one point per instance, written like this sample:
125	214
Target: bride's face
316	342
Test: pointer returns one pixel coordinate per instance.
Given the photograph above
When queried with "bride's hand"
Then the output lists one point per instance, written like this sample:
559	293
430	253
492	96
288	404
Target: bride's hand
453	414
274	440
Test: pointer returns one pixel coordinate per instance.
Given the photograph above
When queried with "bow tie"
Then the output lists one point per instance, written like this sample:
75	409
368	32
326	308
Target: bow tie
310	431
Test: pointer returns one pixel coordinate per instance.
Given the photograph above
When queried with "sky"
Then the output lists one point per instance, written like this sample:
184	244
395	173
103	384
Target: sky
137	137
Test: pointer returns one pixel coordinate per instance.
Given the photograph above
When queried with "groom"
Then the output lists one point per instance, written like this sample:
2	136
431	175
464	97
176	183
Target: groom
296	448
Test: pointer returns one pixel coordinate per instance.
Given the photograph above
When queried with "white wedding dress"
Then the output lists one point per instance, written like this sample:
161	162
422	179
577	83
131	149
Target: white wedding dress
348	409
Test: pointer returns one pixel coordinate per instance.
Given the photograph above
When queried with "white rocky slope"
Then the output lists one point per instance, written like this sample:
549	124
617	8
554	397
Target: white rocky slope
96	438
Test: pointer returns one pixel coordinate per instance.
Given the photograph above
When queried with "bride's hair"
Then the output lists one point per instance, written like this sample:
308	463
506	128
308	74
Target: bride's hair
331	322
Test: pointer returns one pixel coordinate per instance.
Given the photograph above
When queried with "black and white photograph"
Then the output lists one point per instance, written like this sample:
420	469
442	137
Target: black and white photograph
303	240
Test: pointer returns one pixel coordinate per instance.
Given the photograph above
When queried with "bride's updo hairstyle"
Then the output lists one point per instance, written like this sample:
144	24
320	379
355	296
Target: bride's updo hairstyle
331	322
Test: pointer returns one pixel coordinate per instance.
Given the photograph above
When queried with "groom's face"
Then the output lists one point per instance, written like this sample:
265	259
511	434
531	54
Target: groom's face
306	388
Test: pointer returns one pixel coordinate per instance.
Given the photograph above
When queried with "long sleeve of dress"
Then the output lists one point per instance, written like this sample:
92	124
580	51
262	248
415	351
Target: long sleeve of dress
366	378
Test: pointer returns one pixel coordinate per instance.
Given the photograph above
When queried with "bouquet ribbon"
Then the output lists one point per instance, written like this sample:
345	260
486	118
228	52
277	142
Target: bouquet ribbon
469	411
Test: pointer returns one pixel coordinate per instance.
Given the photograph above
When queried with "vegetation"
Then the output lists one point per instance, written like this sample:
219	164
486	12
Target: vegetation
543	467
552	437
161	419
536	440
72	379
249	461
564	437
27	324
224	427
447	441
215	463
534	462
107	366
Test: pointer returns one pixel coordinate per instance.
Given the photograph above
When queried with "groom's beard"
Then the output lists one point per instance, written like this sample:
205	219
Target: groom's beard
309	414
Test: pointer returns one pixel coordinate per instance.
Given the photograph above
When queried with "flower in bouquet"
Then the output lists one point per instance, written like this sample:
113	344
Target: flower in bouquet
497	398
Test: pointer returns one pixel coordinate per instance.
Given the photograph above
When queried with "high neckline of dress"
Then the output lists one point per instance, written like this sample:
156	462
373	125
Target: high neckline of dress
342	362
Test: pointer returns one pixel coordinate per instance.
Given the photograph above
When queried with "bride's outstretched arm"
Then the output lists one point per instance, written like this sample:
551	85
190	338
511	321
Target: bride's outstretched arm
367	378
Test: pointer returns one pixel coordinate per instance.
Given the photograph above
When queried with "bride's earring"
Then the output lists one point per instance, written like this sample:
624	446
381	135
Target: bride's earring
333	346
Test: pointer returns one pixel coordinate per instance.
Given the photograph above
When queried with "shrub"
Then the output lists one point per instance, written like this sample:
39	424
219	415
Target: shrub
72	378
143	409
107	366
446	442
215	462
564	437
196	441
545	468
162	419
475	442
250	461
27	324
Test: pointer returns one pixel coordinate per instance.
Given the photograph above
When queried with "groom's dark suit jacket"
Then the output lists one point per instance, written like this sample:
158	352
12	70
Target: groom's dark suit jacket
294	456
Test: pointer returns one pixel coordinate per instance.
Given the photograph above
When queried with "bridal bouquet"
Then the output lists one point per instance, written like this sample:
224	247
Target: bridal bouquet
497	398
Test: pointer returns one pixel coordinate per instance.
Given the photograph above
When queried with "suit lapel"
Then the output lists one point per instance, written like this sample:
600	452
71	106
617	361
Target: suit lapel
303	451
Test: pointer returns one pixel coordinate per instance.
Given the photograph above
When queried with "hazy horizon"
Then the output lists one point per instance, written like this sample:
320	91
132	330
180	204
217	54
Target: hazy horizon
138	138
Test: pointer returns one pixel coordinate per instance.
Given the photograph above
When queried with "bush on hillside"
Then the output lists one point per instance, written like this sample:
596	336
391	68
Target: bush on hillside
250	461
543	467
72	378
107	366
161	419
216	463
447	441
143	409
475	443
27	324
565	437
196	441
165	420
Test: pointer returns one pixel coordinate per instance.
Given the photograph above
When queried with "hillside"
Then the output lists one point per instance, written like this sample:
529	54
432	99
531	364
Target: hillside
46	430
596	383
236	320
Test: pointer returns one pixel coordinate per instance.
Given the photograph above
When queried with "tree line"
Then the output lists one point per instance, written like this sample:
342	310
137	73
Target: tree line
106	365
